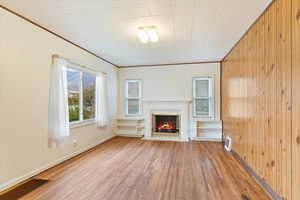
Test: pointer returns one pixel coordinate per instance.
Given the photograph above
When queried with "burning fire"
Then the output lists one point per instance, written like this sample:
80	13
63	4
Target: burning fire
165	126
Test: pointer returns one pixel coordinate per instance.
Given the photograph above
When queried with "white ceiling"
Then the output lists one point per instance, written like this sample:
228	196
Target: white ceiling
190	30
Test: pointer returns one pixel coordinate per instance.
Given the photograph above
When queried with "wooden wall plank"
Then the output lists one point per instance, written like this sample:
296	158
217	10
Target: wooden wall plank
280	80
285	91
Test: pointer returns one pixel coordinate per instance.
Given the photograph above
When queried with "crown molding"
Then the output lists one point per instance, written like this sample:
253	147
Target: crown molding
170	64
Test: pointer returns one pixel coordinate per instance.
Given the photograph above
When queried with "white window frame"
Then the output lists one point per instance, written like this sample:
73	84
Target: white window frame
81	121
139	98
210	98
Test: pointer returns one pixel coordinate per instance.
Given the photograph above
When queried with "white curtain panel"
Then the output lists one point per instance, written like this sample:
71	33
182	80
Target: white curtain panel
58	119
101	100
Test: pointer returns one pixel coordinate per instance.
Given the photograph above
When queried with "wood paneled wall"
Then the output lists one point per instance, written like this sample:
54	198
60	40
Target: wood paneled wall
261	97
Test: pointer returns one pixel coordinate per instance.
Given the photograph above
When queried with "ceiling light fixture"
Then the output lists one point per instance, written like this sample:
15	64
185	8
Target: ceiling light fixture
143	35
153	34
148	33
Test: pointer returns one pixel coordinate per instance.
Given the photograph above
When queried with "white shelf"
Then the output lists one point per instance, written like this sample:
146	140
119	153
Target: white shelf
127	125
207	139
205	120
129	135
208	129
130	125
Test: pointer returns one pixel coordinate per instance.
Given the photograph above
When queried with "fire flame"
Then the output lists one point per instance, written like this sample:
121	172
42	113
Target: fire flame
165	126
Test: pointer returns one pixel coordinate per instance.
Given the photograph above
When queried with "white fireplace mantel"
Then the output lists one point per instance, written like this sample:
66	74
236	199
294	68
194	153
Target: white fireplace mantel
167	107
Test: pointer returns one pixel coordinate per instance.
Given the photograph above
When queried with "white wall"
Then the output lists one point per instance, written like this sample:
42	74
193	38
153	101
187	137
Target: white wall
25	62
169	82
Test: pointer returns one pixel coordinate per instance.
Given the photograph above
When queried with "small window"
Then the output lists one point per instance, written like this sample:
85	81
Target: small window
81	95
202	97
133	97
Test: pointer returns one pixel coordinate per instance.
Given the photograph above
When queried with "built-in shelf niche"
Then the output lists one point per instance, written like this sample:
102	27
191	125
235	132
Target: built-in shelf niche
130	127
207	130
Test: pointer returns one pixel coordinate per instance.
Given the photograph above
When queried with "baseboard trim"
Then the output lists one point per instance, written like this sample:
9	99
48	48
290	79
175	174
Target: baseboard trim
12	183
170	139
206	139
130	135
258	179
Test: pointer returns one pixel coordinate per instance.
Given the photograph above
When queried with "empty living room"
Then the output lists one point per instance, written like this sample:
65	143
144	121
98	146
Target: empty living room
150	100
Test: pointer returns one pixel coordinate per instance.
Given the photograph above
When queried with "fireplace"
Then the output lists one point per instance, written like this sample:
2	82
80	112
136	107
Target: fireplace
166	125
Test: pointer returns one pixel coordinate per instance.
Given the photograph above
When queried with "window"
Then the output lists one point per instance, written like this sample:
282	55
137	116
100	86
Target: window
133	97
202	97
81	95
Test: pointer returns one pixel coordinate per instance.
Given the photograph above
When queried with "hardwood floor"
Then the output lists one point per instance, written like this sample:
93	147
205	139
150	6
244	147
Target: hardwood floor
134	169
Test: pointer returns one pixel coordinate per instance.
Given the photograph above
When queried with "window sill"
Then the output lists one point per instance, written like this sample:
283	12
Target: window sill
133	115
195	118
82	123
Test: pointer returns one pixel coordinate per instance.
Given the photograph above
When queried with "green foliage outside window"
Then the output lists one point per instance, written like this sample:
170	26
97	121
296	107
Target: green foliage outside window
74	110
80	83
89	103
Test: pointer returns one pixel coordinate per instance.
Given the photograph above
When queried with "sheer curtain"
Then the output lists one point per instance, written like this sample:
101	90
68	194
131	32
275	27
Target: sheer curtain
58	119
101	100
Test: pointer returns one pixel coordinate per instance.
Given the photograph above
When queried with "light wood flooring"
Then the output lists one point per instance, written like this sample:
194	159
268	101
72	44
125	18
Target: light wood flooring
134	169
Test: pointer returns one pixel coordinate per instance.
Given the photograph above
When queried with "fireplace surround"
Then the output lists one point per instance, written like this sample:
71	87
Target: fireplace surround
171	108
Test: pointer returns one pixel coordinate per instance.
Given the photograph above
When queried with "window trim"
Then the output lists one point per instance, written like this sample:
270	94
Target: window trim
81	121
210	98
139	98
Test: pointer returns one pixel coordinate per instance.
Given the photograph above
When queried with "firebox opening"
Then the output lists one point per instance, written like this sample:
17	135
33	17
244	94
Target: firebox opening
166	124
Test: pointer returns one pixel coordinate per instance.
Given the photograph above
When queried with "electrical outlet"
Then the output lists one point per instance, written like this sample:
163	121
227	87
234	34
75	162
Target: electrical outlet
74	142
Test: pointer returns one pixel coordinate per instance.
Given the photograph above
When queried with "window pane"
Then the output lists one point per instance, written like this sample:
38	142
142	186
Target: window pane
202	107
74	110
202	88
133	106
89	87
73	80
133	89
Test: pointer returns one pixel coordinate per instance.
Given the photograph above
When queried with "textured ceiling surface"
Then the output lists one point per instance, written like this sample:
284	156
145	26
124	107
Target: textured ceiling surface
190	30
